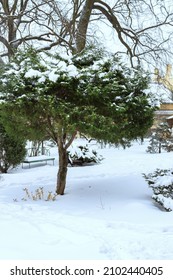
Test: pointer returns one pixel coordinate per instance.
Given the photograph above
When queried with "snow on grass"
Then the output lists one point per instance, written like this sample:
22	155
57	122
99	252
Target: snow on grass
106	213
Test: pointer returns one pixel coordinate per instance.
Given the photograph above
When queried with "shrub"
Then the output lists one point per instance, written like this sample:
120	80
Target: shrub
161	182
12	150
83	155
161	139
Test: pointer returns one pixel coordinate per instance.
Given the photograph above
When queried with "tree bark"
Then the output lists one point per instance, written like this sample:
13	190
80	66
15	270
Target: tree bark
83	25
63	144
62	172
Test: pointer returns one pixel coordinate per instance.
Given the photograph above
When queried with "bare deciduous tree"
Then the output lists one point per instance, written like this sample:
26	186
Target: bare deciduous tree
142	27
27	21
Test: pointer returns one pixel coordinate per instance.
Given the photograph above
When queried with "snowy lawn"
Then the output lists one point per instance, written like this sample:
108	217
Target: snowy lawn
106	213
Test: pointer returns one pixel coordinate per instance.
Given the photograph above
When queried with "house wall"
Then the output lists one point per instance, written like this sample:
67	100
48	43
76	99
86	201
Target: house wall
165	111
166	106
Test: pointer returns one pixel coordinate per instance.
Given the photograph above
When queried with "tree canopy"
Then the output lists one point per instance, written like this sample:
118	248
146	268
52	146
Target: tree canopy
80	91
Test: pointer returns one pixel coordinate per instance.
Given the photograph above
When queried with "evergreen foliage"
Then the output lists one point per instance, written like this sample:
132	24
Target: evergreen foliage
161	139
12	150
161	182
93	93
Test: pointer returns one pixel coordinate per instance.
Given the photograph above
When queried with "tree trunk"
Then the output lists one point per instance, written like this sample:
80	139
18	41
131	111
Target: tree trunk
62	172
160	147
83	25
63	144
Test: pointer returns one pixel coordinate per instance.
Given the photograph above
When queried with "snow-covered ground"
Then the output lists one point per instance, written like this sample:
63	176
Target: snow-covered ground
106	213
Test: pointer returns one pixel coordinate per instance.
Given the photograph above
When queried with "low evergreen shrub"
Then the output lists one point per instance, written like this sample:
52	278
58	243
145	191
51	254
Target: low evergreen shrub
12	150
161	183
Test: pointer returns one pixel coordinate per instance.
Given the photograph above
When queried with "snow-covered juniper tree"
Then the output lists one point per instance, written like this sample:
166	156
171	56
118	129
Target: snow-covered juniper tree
91	92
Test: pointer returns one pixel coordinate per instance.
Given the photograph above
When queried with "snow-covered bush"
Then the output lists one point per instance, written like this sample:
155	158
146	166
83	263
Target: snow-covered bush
161	182
82	155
